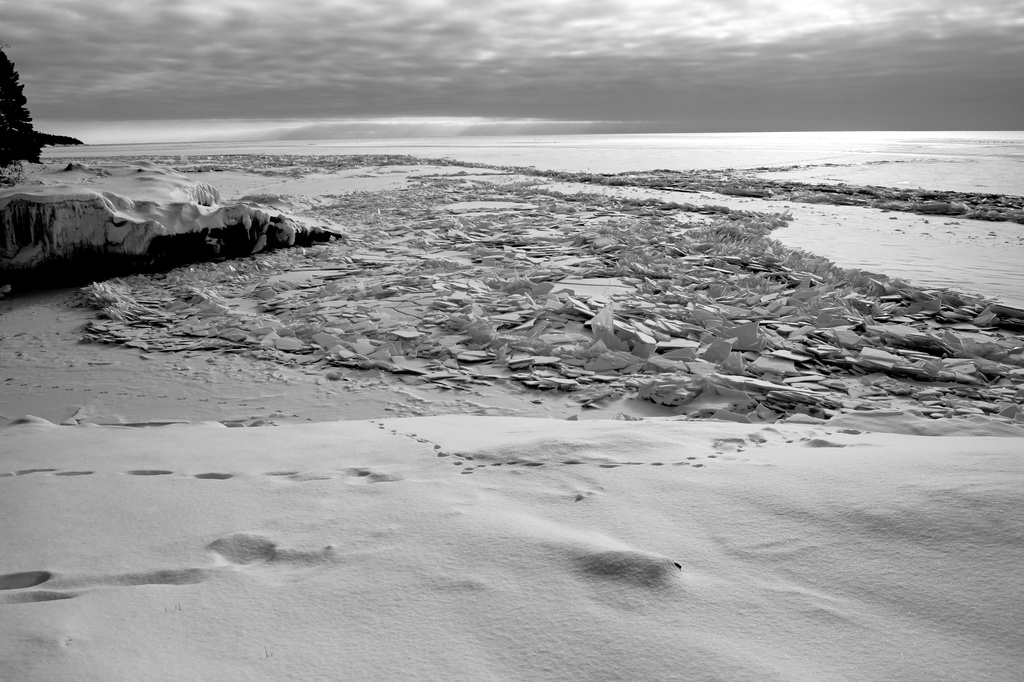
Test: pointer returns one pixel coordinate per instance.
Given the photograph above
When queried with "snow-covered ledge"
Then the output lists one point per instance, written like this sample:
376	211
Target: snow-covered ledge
84	223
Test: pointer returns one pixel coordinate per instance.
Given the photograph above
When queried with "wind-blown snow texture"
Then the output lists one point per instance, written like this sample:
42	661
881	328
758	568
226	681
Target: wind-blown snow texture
507	548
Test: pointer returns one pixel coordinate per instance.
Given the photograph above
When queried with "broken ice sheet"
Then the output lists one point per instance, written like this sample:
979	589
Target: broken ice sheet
411	365
415	287
672	390
745	337
775	365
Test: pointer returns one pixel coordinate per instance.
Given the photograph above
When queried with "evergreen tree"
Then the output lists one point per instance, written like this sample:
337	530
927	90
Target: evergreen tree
18	140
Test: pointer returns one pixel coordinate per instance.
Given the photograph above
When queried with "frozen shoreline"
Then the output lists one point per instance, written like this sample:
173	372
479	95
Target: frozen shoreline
441	288
936	250
516	529
967	161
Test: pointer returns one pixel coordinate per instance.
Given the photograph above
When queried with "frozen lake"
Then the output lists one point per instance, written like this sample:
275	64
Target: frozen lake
973	256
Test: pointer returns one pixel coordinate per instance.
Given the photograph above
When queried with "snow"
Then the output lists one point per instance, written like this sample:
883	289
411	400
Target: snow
120	211
508	534
507	548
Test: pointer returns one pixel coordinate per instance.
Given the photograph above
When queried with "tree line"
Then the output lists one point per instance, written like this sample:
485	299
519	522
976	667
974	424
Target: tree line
19	141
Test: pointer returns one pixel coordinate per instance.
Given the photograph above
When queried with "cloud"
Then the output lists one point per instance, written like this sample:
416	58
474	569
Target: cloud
736	64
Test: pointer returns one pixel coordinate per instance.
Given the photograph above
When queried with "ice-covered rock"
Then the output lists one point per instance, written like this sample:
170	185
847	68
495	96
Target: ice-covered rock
89	222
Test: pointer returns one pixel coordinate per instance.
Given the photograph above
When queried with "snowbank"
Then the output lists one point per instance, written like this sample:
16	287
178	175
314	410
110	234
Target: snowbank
90	222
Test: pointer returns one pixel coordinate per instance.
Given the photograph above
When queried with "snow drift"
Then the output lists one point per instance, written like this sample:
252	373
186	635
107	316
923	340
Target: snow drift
90	222
461	548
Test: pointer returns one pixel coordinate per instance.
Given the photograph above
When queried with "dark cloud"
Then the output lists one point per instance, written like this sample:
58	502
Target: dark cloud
700	65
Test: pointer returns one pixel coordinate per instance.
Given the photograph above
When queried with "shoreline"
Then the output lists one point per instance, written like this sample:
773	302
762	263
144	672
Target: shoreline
492	432
495	284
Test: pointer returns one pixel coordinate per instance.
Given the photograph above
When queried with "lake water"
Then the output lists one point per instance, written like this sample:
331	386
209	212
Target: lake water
985	258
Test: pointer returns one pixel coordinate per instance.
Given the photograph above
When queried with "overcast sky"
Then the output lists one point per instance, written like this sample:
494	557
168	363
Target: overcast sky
317	68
